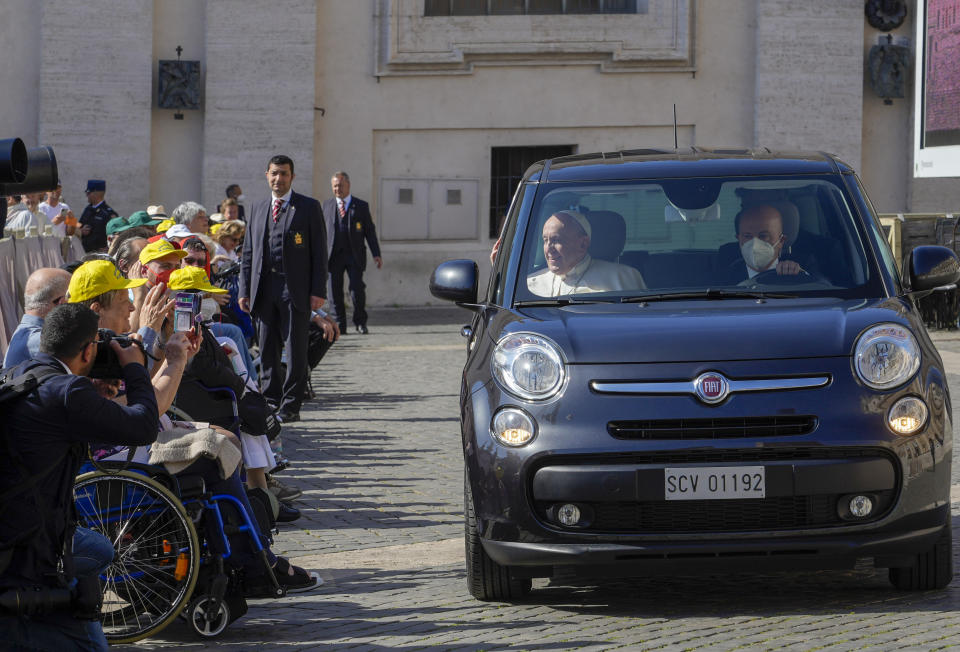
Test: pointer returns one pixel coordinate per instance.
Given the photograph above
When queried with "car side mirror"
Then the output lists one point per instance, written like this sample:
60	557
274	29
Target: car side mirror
456	280
928	267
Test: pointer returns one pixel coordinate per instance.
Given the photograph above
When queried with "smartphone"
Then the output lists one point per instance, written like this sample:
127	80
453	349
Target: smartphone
186	312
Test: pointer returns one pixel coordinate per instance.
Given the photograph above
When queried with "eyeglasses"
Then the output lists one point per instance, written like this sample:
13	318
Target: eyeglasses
195	262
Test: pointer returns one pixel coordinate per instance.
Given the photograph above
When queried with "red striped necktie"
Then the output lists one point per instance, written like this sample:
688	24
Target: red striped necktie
277	203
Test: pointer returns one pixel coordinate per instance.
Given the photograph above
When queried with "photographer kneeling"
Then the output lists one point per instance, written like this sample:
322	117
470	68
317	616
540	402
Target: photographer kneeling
47	431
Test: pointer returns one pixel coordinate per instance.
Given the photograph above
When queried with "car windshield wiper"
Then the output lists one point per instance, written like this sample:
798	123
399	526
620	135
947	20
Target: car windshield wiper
709	293
561	301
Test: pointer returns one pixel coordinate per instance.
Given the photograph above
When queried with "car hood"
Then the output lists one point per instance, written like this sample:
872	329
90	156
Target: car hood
705	330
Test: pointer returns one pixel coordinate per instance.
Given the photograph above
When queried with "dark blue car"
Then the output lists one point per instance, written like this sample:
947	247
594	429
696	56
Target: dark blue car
701	360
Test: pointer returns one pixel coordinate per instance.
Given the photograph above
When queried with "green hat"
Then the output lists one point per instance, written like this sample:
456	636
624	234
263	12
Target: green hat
116	225
142	218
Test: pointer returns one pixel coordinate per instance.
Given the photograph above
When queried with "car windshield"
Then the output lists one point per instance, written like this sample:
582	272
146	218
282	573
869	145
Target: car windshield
684	238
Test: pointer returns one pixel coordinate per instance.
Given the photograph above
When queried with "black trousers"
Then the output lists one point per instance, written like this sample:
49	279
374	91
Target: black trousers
342	262
283	329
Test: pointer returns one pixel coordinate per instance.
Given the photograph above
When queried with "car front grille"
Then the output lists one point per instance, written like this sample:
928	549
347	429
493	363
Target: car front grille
773	513
719	428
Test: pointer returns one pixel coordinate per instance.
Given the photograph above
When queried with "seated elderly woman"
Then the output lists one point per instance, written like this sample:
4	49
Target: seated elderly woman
100	286
570	269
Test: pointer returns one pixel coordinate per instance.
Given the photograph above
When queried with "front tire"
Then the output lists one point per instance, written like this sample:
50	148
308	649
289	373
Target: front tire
933	569
486	579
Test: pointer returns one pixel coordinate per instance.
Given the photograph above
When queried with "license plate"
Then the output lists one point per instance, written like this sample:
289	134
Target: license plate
714	482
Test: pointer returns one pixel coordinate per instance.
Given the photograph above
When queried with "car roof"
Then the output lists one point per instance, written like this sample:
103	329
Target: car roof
658	163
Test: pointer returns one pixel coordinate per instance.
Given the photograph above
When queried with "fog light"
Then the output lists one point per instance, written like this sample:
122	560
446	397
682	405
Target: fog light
568	514
907	416
512	427
861	506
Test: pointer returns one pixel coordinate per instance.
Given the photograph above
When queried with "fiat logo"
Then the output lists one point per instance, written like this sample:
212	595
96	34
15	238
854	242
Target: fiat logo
711	387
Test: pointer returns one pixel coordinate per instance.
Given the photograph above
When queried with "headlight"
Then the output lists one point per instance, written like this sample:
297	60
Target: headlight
513	427
528	365
886	356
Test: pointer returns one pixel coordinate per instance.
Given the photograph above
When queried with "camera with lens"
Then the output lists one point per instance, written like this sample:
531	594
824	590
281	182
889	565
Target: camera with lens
107	365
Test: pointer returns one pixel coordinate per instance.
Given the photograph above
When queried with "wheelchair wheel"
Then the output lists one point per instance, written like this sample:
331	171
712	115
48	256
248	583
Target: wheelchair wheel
157	552
207	621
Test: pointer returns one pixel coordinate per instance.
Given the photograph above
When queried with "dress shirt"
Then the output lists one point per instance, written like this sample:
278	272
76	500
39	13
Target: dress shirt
283	201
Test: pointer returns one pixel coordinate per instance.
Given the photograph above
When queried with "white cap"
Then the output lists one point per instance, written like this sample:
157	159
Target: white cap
178	231
579	218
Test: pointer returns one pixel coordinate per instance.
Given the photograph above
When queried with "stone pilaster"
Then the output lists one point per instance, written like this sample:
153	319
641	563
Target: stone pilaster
260	82
95	96
809	87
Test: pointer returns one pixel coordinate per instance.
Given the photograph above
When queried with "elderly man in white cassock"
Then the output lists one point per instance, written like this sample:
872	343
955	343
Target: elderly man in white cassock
570	269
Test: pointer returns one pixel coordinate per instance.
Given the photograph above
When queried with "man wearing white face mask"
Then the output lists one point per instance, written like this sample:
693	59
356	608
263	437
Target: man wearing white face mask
761	239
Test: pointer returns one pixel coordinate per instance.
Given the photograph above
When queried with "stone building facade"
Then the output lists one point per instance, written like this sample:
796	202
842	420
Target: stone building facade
432	115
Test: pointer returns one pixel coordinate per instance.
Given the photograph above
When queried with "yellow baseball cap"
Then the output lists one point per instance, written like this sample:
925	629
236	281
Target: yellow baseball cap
215	227
192	278
164	225
159	249
96	277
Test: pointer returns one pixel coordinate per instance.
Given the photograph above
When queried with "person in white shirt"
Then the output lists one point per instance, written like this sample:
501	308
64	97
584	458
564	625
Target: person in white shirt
58	213
28	216
570	269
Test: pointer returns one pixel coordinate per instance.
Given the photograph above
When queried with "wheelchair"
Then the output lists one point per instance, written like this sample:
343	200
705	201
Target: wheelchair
170	537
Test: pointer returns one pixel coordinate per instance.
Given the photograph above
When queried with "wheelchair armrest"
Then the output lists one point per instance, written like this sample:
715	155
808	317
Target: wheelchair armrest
191	486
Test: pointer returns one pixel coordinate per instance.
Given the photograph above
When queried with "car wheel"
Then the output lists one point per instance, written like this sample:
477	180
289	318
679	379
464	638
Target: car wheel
486	579
933	570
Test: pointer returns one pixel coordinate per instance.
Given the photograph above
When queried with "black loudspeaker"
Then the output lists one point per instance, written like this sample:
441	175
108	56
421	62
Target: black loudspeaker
13	161
26	170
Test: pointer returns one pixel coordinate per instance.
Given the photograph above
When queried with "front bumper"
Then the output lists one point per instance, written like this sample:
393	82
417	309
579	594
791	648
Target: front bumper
895	546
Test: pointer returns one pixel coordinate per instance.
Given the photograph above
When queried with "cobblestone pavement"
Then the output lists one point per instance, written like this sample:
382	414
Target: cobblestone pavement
378	457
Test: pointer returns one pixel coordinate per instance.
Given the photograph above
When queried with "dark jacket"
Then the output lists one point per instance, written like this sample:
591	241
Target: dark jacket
304	251
731	269
96	219
361	228
210	367
48	429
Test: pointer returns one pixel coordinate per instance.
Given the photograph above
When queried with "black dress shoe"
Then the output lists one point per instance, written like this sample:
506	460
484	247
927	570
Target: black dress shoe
343	329
287	416
287	514
362	328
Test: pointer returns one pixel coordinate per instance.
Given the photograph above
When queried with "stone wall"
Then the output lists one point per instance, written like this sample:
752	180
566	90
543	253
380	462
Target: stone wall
809	88
95	96
259	94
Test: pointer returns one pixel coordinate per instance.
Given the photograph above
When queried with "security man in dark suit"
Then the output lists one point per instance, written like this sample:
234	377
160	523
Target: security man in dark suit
762	241
93	221
348	225
46	434
283	278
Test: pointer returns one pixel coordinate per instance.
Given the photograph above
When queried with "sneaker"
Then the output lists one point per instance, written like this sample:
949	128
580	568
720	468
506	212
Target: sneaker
282	491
